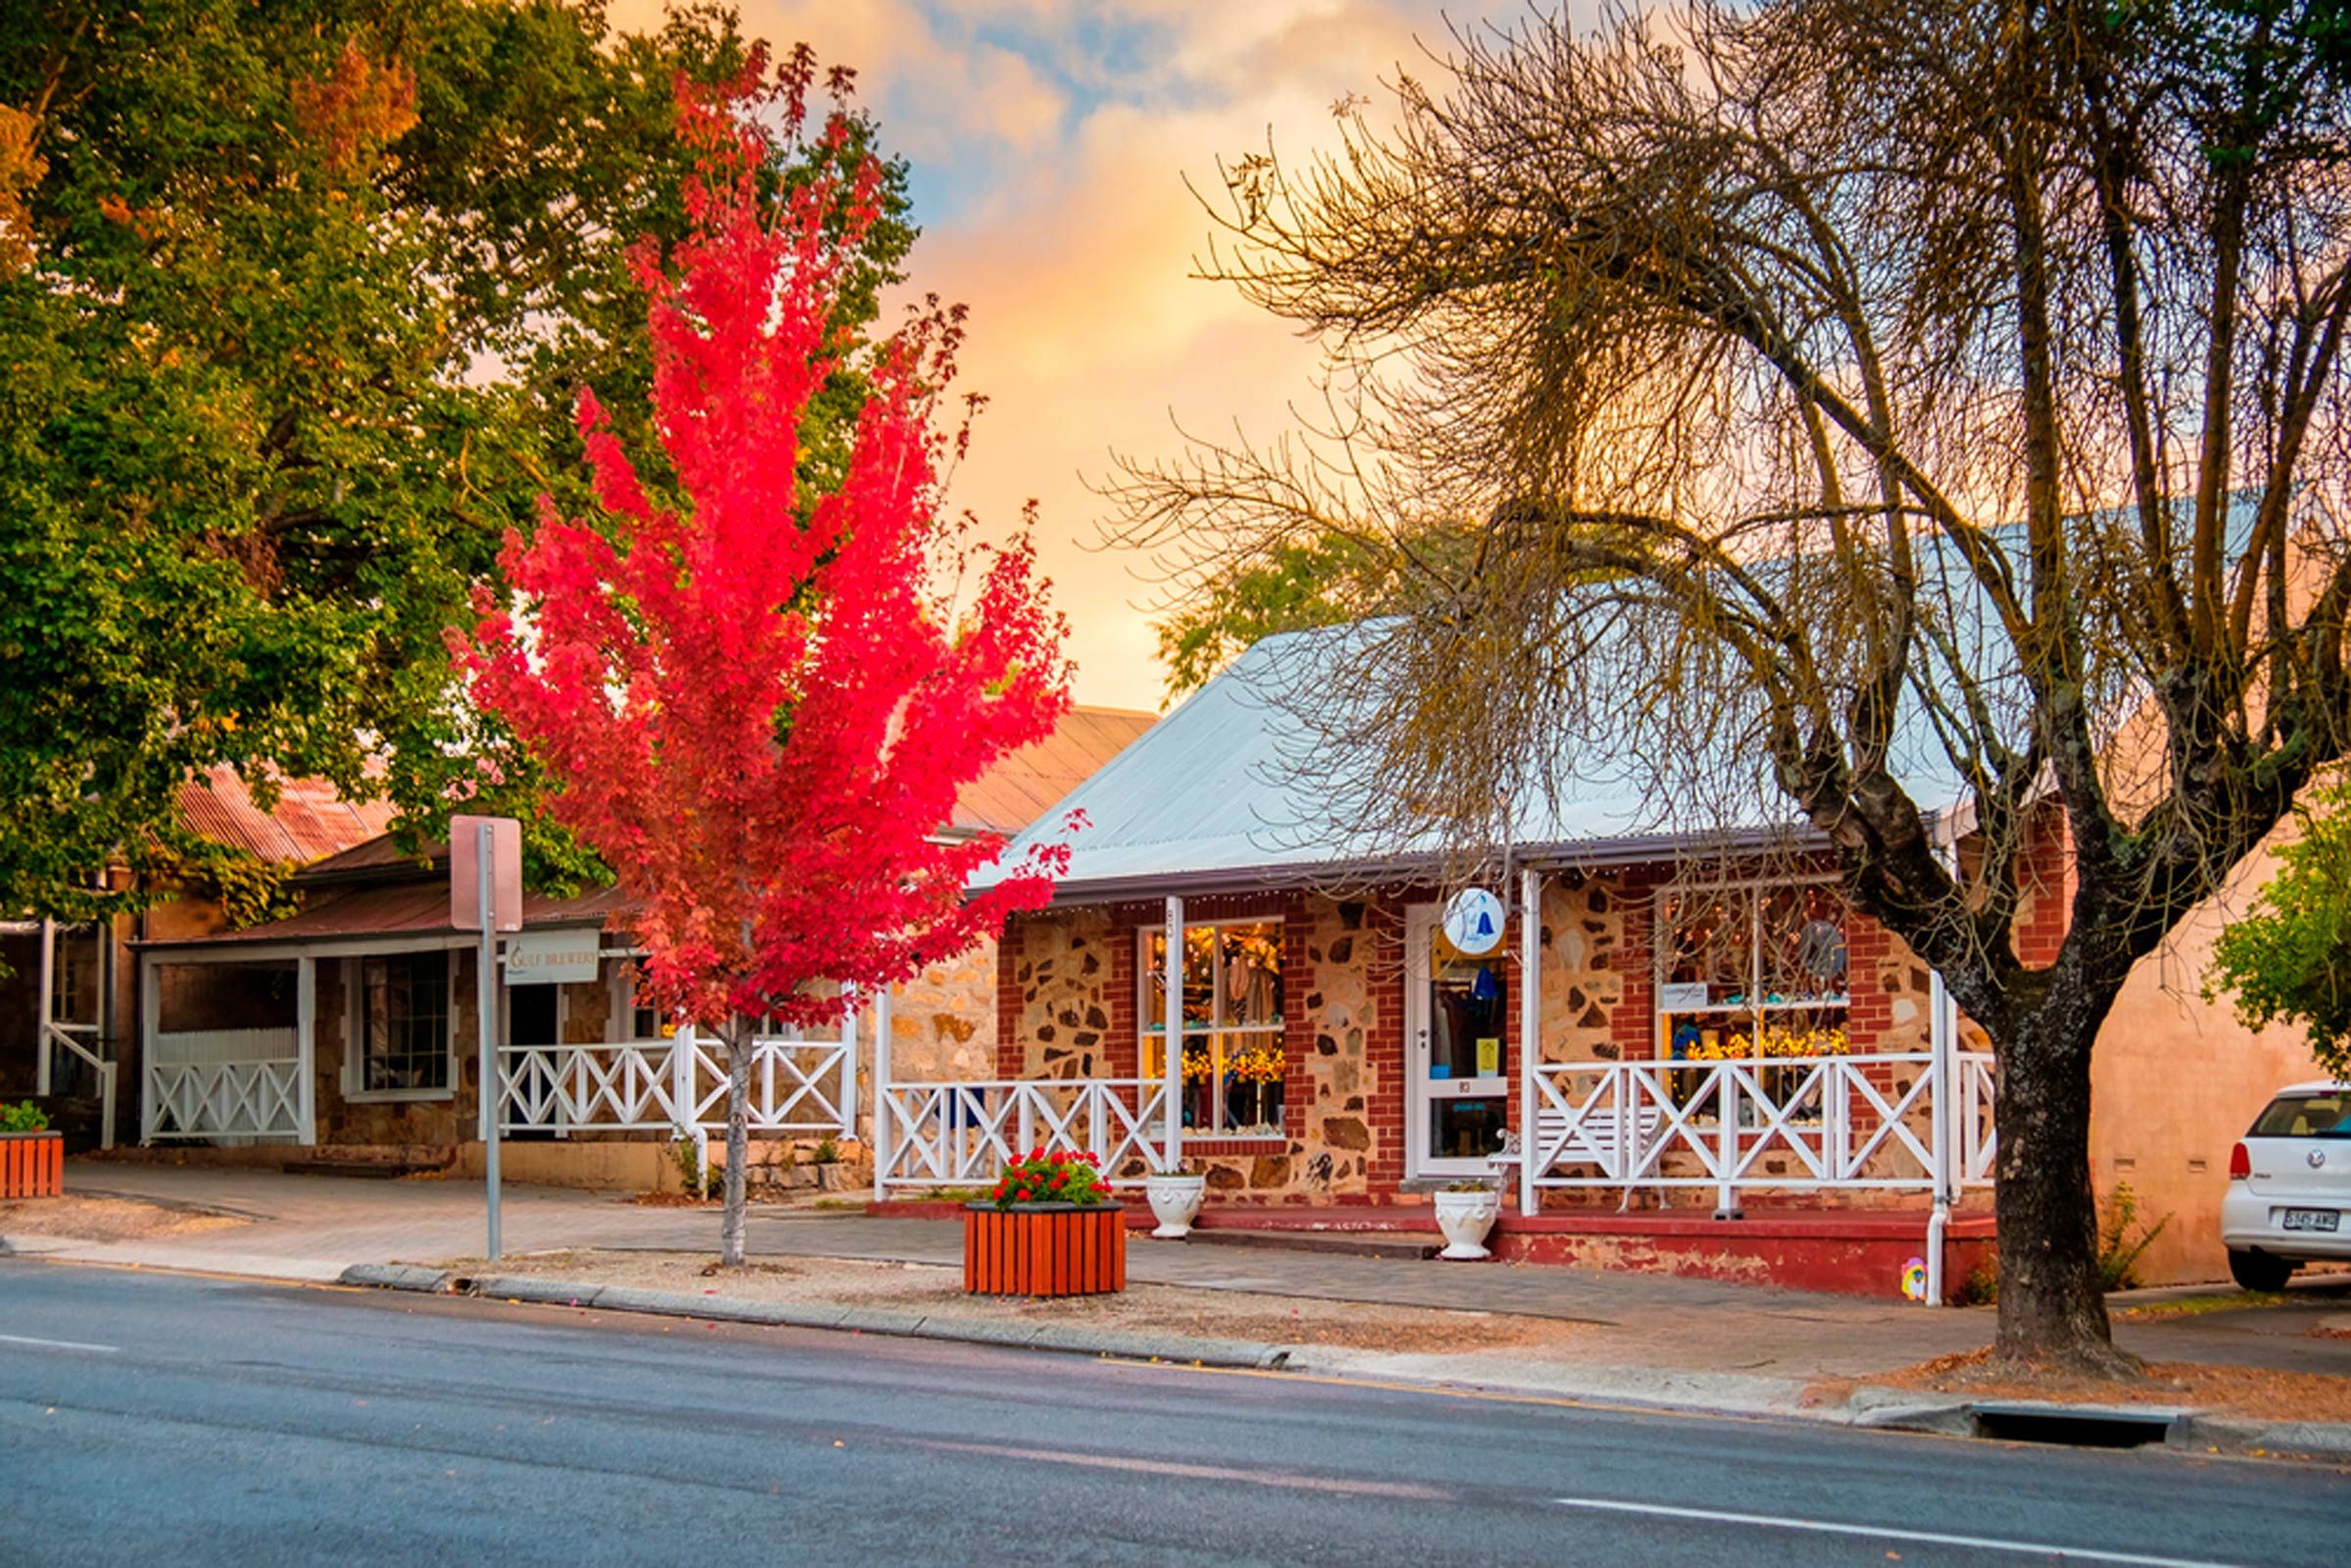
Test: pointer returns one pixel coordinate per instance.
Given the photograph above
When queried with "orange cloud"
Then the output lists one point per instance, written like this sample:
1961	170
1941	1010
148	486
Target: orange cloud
1067	132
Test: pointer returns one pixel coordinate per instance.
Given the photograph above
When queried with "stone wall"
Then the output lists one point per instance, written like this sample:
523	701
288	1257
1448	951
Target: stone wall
1062	975
1583	984
944	1023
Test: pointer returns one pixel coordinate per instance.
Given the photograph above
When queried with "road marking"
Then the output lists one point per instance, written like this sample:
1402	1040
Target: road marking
59	1345
1823	1526
1412	1490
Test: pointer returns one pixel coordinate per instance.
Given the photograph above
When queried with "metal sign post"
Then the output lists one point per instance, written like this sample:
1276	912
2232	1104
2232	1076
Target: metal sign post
485	894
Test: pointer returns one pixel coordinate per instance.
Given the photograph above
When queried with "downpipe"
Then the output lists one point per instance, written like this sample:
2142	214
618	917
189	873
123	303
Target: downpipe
1937	1223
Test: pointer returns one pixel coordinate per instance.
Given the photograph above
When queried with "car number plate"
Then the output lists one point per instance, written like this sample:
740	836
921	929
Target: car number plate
2310	1219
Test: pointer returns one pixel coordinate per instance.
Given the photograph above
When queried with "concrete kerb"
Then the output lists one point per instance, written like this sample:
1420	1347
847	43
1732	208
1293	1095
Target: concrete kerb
540	1291
1870	1405
397	1276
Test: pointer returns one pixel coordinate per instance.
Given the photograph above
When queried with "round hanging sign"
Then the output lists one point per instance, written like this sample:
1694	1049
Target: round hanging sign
1473	922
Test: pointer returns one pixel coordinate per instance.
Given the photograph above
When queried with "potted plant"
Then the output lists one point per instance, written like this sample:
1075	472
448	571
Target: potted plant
1049	1228
1174	1196
32	1158
1465	1212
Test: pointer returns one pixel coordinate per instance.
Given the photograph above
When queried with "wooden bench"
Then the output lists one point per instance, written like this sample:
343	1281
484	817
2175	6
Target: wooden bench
1593	1142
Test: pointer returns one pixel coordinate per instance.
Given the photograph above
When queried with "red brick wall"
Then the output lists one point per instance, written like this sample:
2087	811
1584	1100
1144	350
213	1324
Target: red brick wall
1633	1023
1011	949
2044	878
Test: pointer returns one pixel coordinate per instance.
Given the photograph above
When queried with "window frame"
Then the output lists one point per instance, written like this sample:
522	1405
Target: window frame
1151	1023
354	1029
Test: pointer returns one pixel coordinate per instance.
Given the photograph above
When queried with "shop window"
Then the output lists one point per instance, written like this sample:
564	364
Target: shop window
1232	1025
402	1024
1752	971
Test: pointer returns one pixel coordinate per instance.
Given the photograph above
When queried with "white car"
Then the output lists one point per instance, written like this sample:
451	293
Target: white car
2289	1186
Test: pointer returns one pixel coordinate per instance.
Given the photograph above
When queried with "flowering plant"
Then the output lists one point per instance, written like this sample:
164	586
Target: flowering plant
1777	1044
1049	1178
1261	1065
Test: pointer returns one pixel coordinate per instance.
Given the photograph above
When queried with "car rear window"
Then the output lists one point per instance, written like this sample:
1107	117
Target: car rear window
2305	1116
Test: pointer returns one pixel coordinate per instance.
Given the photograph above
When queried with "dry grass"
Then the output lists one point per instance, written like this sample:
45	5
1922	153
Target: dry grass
104	1218
1149	1309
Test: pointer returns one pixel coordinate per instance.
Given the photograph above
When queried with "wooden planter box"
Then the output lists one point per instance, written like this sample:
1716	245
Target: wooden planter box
1044	1248
32	1165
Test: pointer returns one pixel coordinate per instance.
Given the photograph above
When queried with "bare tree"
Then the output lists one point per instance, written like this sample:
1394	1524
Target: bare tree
1858	401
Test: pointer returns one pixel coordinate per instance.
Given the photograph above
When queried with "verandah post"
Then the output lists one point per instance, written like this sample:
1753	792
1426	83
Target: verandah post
305	1050
884	1154
1530	1026
1170	1056
48	1006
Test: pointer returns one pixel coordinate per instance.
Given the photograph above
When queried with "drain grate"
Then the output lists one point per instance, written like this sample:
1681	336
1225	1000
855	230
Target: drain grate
2073	1425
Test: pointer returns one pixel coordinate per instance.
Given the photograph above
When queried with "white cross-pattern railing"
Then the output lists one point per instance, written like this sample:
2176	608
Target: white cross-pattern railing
223	1083
963	1134
1802	1125
796	1086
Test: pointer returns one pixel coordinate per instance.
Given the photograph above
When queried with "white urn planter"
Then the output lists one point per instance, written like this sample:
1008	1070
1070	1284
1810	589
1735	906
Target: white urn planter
1174	1202
1465	1218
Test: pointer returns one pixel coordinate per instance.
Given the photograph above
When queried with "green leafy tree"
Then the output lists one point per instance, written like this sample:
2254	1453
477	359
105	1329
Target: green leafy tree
1319	580
2290	959
295	297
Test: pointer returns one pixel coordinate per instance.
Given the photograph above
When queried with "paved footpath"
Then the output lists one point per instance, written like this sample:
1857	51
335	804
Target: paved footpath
312	1227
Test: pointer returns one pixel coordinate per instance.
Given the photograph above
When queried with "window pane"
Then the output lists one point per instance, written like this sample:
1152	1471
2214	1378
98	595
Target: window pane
1199	977
405	1036
1708	941
1803	943
1468	1006
1252	977
1465	1129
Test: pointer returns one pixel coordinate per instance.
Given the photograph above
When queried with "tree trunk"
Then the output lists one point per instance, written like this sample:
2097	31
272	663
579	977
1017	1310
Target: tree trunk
2053	1310
739	1141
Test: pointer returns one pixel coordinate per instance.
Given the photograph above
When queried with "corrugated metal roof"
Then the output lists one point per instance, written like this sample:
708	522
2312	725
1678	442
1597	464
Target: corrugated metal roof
311	820
416	907
1023	786
398	895
1217	794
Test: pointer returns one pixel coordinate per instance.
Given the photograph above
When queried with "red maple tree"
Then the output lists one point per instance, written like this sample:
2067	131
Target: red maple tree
758	705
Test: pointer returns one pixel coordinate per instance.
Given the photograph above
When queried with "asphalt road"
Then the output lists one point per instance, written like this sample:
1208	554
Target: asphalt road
166	1419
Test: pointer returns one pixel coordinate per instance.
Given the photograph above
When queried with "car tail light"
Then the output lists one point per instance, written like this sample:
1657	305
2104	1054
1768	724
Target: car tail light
2241	1163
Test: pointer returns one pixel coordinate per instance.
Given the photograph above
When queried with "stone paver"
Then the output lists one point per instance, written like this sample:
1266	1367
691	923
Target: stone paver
312	1227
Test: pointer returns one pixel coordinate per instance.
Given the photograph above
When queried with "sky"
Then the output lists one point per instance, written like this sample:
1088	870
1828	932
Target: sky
1050	141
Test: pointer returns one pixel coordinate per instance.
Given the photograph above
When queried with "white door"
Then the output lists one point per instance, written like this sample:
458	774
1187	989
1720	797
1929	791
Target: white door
1456	1051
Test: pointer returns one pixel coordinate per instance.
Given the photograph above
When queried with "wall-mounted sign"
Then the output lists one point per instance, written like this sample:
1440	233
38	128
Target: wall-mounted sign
553	958
1682	997
1473	922
1489	1056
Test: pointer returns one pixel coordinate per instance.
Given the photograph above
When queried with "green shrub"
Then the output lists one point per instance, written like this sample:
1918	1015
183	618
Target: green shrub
24	1117
2118	1249
686	1156
826	1152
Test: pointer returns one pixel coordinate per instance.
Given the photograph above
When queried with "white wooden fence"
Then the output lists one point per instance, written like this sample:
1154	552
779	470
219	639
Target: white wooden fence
796	1086
222	1083
1806	1124
961	1134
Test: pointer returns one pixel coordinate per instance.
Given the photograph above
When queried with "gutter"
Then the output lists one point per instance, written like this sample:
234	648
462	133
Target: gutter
1591	854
